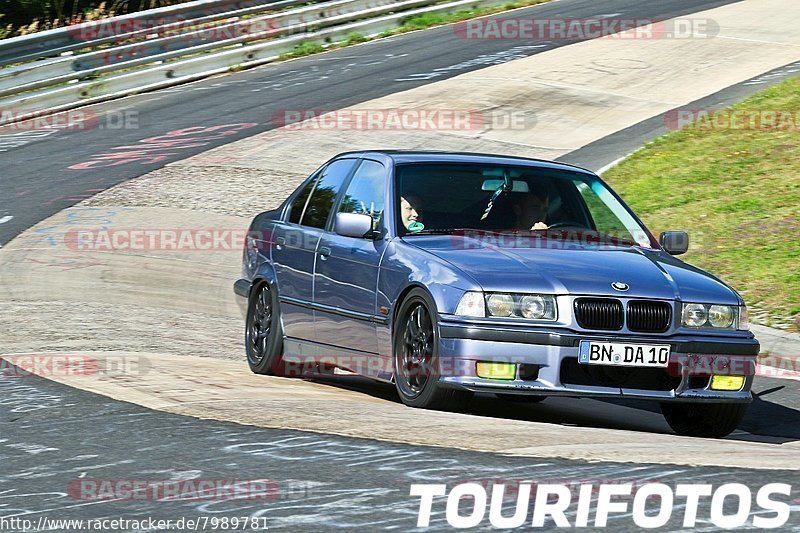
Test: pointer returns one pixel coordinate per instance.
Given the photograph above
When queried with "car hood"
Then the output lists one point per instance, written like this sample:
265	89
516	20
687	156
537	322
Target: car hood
587	270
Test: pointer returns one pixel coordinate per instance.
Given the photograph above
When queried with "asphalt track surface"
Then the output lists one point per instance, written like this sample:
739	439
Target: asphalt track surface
62	436
36	179
51	435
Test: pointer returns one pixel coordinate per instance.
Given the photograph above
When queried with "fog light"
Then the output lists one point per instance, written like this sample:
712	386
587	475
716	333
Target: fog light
496	370
727	382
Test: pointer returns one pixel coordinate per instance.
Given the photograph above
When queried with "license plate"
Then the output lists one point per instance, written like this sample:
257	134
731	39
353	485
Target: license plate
623	354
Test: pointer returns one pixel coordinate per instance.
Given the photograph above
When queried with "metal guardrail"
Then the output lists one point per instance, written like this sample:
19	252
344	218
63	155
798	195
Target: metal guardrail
114	57
177	42
59	40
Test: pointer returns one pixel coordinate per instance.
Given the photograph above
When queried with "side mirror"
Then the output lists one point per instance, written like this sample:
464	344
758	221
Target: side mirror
353	225
674	242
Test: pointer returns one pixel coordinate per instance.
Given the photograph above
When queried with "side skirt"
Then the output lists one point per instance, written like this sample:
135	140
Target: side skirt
300	355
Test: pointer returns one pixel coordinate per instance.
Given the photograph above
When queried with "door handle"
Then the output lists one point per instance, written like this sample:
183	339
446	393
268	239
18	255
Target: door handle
279	242
324	252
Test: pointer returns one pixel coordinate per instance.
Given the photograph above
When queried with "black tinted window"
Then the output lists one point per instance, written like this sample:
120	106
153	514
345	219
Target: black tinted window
323	190
512	198
300	202
365	194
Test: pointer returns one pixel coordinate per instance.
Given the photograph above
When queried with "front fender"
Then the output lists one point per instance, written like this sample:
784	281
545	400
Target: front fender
404	267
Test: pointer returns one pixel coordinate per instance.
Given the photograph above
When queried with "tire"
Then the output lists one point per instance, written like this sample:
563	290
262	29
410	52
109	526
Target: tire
263	335
712	420
521	398
416	357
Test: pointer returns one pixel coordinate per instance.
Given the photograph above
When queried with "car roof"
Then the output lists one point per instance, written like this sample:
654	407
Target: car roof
431	156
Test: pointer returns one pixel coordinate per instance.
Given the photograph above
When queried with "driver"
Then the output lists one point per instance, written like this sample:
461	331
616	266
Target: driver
409	214
531	211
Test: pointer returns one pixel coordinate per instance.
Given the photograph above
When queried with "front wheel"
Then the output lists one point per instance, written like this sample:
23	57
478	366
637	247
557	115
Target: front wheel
416	357
713	420
263	335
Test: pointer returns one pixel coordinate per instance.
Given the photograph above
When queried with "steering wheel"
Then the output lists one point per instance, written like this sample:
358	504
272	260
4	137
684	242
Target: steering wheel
566	224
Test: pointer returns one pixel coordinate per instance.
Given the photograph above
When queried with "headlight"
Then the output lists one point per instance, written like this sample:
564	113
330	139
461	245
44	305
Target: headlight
708	315
471	304
500	304
538	307
721	316
694	315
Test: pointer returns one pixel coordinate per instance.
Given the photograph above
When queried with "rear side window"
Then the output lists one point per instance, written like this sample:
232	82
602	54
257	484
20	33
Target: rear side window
313	205
299	204
365	194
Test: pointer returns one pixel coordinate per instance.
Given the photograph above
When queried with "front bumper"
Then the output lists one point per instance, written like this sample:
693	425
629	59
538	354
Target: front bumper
547	364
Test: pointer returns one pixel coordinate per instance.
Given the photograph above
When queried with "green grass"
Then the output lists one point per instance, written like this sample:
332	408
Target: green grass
305	48
413	23
355	37
428	20
737	193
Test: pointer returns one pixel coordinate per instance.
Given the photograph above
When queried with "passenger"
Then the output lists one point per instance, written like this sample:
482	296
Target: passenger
531	211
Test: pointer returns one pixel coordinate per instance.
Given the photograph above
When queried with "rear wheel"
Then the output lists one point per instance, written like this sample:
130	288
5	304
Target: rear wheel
416	357
263	335
713	420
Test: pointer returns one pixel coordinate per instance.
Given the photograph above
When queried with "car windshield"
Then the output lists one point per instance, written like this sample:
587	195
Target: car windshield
446	198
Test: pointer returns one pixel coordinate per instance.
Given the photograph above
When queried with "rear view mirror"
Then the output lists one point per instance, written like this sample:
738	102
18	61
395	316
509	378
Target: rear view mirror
675	242
353	225
493	185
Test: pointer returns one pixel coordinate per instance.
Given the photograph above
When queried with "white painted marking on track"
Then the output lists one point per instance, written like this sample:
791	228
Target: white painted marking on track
5	219
780	73
614	163
14	140
497	58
